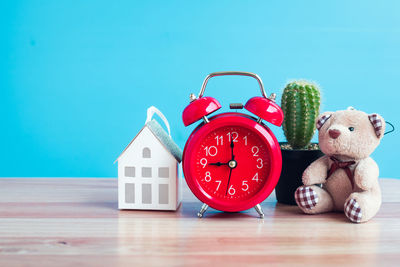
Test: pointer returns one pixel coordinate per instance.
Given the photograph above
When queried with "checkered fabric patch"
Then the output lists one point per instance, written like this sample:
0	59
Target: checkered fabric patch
377	123
306	197
353	210
322	121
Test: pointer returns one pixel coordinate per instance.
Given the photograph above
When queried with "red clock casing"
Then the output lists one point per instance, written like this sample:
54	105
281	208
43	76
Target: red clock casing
232	161
257	154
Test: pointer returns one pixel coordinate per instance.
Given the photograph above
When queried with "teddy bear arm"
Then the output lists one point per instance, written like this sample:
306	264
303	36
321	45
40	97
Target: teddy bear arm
316	172
366	174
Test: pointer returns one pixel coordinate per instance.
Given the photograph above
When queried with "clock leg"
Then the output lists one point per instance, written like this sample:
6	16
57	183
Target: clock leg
259	211
202	210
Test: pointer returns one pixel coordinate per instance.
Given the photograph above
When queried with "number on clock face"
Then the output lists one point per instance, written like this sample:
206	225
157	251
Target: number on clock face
232	163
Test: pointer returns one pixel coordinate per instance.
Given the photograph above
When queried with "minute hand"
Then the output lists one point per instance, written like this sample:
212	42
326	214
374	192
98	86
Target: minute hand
232	145
230	170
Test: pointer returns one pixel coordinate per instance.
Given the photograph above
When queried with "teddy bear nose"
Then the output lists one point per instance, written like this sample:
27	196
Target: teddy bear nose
334	133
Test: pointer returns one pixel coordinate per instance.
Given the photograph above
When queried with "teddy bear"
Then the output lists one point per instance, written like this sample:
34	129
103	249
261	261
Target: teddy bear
346	177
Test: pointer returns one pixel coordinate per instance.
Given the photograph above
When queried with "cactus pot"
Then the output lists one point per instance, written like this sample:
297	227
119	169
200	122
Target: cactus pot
294	162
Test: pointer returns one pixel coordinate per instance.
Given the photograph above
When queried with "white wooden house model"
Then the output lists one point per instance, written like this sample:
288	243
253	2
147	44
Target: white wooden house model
148	173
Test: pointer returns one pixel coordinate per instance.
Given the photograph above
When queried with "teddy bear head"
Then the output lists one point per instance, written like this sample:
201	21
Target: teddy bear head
349	134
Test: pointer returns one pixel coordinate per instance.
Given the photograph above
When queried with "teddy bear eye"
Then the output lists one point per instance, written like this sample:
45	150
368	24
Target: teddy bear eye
351	129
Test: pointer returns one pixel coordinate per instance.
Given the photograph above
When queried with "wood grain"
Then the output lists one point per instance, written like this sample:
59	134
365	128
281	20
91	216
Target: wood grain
68	221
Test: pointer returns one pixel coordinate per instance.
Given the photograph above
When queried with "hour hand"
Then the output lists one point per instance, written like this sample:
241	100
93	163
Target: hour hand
218	163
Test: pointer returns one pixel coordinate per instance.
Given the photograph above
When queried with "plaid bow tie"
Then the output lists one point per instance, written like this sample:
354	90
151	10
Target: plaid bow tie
337	164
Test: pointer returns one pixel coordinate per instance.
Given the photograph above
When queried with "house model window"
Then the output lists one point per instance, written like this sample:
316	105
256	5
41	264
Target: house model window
146	172
163	172
129	171
146	153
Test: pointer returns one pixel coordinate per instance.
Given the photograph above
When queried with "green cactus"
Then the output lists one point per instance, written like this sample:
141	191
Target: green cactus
300	105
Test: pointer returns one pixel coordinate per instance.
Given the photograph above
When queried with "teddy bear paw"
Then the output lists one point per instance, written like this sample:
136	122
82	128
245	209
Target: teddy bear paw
306	197
353	210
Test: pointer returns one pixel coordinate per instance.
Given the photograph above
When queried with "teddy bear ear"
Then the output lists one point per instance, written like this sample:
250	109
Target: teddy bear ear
322	119
378	123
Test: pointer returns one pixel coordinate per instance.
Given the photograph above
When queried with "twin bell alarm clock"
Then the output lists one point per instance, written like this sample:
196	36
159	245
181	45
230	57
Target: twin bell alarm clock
232	161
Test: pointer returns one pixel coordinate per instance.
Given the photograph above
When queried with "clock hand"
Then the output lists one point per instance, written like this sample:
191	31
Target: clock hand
232	145
229	179
227	163
233	162
218	163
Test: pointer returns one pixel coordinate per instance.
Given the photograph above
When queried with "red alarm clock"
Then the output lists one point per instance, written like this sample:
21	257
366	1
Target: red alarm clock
232	161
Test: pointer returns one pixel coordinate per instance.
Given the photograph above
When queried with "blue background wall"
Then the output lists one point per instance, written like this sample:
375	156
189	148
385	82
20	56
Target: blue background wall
76	77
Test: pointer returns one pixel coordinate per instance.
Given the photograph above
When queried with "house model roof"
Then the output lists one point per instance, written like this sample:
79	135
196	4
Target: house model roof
163	137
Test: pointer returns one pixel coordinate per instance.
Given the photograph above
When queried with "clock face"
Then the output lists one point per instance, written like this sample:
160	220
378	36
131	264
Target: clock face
231	163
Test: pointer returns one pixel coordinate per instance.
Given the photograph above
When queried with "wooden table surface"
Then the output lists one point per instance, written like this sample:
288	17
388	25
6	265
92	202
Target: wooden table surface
75	221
